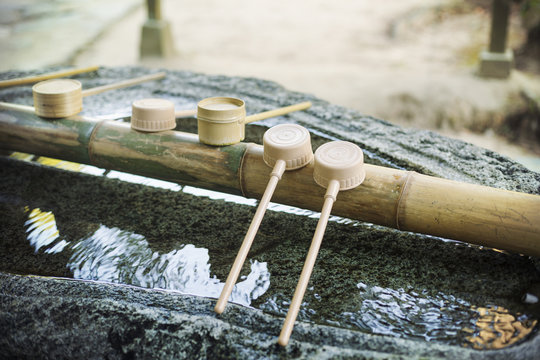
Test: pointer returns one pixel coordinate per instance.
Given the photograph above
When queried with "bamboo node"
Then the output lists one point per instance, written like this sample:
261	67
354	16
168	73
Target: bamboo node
403	195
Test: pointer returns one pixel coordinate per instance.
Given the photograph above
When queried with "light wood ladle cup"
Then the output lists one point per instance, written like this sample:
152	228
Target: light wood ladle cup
59	98
339	165
221	120
286	147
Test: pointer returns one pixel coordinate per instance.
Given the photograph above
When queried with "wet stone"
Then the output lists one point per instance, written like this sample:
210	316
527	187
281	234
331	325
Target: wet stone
375	291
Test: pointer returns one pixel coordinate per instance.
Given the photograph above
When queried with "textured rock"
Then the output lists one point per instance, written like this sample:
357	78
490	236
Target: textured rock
60	318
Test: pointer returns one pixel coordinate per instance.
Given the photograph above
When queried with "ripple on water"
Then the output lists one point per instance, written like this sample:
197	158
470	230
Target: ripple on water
119	256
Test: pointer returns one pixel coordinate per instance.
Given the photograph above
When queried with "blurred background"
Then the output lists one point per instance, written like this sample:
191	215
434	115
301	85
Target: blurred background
415	63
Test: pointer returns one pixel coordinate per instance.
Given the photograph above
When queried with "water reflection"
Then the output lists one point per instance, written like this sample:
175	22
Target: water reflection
71	166
41	231
405	313
119	256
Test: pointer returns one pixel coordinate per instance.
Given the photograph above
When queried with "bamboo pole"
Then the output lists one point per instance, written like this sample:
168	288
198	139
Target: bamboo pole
408	201
53	75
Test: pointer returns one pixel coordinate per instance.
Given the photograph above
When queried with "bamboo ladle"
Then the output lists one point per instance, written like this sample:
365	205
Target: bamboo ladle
286	147
59	98
221	120
339	165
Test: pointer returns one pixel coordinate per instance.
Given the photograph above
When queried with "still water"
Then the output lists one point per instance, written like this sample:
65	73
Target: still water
119	256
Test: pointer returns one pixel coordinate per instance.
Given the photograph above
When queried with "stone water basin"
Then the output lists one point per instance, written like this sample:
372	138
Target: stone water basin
375	291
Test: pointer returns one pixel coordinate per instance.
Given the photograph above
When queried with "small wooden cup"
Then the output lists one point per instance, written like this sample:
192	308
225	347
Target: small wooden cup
220	120
57	98
152	115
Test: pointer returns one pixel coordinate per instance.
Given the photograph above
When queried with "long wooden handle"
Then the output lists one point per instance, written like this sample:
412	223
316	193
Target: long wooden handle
123	84
17	107
277	172
502	219
288	324
277	112
53	75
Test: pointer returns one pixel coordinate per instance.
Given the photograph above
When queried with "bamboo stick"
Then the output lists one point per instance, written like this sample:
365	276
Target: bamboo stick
277	172
17	107
339	165
277	112
307	269
123	84
53	75
286	147
408	201
185	113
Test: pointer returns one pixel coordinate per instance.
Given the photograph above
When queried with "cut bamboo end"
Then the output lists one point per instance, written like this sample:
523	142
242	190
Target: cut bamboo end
152	115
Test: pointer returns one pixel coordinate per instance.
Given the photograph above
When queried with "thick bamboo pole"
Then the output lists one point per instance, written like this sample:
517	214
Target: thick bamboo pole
408	201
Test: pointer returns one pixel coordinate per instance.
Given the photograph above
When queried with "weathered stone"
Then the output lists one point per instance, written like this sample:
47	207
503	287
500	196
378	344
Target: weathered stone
61	318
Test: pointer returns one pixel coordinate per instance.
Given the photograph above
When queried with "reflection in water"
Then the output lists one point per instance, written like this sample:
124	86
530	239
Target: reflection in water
124	257
71	166
408	314
495	328
41	231
120	256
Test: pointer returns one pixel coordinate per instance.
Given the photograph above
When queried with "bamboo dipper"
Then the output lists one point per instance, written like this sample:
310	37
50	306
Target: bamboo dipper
286	147
221	120
339	165
58	98
152	115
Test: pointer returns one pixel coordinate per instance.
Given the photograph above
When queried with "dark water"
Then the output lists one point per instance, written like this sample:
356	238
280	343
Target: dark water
111	253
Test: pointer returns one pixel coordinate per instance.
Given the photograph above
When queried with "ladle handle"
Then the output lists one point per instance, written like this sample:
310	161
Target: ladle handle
53	75
277	112
185	113
277	172
123	84
329	199
17	107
